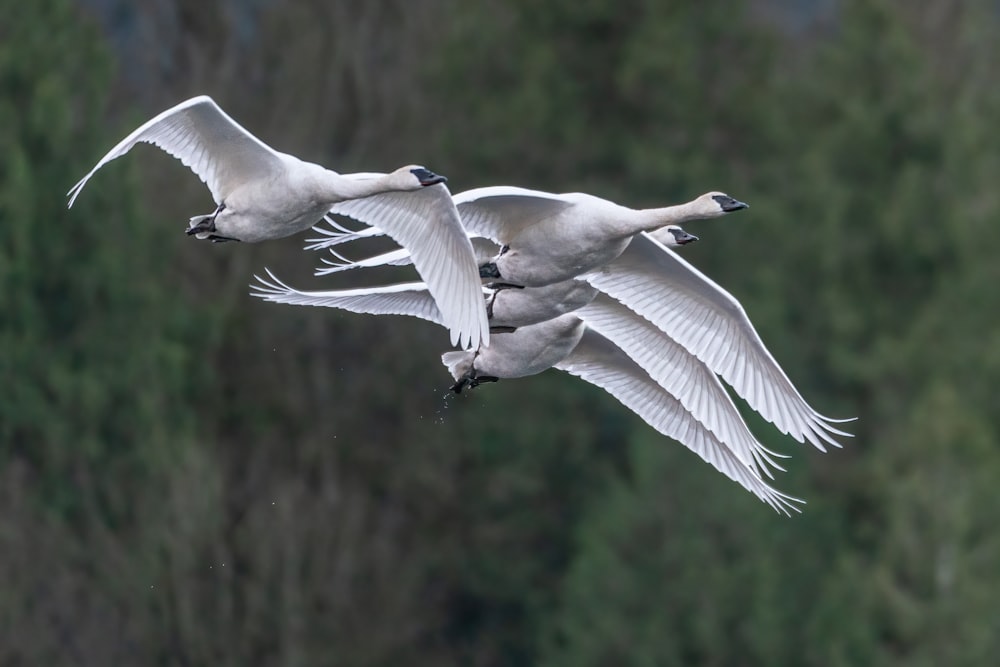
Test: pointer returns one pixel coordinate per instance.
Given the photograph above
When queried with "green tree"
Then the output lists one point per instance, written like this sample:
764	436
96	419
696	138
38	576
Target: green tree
92	417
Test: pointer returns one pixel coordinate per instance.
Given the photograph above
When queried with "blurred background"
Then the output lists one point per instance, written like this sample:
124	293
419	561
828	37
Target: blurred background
189	476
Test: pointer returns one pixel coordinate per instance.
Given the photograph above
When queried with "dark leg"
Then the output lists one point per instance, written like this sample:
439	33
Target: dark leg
471	380
499	330
489	305
499	286
205	224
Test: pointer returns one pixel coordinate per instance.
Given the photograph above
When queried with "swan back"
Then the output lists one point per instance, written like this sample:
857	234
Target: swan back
501	212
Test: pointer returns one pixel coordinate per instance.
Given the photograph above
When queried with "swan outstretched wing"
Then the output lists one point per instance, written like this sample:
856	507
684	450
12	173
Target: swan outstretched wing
426	223
689	307
205	139
597	361
411	299
681	374
500	212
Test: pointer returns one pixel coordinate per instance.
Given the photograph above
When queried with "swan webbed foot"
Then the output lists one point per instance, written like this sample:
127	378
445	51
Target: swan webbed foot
205	224
201	225
489	270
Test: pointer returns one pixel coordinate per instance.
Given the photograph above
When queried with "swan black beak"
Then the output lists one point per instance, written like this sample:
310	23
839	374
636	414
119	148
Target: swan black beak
681	237
428	177
728	204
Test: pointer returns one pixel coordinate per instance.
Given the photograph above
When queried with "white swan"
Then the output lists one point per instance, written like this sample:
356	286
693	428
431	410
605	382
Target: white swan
263	194
594	359
565	343
548	238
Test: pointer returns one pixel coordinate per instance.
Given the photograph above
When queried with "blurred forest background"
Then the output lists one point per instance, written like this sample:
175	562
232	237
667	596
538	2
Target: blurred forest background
189	476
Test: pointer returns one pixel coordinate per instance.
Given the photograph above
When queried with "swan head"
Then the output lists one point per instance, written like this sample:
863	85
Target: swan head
674	235
719	203
423	175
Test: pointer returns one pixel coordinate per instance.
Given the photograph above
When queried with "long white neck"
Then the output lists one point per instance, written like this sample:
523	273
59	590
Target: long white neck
648	219
333	187
344	187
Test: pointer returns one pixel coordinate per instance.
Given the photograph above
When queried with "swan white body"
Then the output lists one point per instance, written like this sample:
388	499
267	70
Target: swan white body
262	194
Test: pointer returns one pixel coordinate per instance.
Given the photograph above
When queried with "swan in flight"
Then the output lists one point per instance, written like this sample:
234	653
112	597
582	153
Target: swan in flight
570	344
262	194
547	238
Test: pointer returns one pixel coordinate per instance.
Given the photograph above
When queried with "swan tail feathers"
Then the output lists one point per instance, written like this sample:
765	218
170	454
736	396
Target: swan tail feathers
459	363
